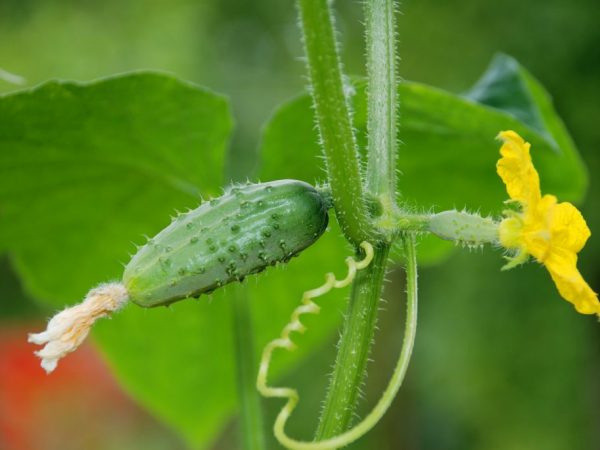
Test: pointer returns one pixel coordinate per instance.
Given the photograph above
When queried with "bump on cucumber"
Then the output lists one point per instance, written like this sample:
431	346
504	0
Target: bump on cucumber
248	229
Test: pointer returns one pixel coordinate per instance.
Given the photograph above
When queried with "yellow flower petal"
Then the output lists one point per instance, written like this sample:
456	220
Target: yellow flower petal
568	227
516	169
536	235
562	266
551	232
553	226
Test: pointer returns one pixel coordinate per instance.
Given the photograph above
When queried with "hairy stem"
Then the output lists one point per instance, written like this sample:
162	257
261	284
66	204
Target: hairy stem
251	420
410	331
333	119
382	101
354	347
361	317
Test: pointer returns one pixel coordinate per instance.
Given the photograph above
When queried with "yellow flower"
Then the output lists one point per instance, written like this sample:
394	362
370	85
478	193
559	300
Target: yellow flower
553	233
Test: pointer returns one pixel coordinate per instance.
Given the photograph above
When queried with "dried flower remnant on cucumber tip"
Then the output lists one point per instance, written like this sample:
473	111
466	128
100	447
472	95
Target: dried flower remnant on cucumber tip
68	329
553	233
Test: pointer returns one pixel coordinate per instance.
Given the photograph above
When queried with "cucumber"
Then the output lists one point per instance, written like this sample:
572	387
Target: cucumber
225	239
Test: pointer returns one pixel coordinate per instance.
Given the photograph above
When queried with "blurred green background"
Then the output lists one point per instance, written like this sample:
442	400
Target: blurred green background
500	361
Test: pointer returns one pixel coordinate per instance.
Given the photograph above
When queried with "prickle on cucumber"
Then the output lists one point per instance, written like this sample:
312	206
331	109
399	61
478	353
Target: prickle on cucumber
225	239
468	229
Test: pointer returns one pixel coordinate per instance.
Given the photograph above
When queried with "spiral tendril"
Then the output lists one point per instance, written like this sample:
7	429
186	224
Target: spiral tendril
285	342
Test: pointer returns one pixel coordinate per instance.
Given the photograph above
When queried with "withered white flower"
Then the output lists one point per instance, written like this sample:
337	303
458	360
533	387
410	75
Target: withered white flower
67	329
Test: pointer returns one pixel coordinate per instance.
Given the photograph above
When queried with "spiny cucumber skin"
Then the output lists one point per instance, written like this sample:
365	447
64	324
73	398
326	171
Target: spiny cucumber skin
464	228
225	239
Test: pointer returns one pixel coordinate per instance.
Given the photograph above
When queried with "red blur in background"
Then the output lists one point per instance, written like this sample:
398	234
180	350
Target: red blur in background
78	406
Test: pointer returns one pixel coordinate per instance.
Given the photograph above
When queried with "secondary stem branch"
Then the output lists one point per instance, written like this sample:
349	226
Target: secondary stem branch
252	433
251	421
382	101
333	119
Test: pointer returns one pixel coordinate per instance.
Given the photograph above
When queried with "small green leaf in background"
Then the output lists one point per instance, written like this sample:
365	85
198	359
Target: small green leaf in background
448	153
509	87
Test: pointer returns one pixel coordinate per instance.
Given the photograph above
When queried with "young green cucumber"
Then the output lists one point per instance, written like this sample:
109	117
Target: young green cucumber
247	229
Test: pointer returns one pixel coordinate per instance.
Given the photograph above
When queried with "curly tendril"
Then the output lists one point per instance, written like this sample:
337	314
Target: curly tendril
285	342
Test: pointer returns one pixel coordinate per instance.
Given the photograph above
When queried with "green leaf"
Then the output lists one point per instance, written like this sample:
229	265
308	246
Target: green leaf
87	169
448	153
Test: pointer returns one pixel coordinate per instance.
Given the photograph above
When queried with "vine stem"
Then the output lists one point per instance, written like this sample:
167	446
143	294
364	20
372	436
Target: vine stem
361	317
333	118
251	417
353	348
382	101
251	428
400	370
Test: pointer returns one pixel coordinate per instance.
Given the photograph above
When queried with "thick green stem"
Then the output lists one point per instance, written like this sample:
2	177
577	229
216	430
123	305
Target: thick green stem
251	420
359	326
333	119
382	102
354	347
397	378
361	318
